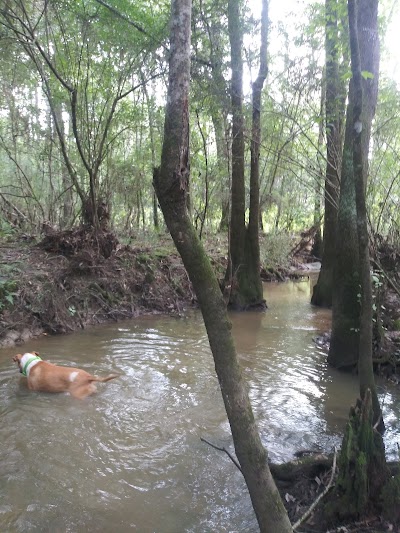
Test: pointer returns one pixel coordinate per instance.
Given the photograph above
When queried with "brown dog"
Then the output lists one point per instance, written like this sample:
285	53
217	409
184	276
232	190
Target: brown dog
46	377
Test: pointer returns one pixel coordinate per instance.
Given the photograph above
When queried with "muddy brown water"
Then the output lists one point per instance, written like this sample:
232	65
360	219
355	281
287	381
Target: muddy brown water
130	458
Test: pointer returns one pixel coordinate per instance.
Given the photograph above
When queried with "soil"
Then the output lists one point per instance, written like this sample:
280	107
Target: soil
59	291
71	280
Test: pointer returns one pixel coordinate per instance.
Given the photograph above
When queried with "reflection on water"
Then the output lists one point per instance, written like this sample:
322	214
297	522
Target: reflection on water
130	458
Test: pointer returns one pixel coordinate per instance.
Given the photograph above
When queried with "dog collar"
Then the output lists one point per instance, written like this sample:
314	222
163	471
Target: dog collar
31	361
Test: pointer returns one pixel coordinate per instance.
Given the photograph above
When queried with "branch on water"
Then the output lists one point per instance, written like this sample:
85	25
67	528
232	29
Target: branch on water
223	450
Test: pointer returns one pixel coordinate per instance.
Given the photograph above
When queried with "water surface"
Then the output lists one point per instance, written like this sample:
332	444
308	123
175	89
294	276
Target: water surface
130	458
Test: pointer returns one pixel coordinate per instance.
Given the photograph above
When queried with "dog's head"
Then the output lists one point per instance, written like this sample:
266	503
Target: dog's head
17	359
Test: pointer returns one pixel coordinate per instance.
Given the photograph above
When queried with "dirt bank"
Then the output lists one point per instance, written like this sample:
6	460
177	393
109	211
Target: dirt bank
45	292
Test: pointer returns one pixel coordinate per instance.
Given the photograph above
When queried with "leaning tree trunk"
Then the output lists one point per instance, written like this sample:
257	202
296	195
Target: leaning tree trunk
171	186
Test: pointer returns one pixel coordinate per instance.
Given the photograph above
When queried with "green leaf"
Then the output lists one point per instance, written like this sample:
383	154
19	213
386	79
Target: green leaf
367	75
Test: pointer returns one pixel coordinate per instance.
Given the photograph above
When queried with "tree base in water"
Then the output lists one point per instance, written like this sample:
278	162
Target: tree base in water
363	471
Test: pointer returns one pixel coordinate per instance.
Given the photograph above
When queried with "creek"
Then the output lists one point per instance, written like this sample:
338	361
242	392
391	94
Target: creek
130	458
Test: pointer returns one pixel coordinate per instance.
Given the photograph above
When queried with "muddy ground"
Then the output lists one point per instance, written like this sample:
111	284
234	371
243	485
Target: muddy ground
44	292
57	286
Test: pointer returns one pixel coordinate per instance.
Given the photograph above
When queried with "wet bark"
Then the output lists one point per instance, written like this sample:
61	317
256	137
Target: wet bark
171	188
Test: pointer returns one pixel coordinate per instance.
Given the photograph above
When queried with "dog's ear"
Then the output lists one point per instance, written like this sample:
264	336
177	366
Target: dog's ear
17	358
36	353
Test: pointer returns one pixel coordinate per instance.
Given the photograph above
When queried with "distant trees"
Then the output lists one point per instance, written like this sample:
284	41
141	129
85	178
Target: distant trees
85	70
81	110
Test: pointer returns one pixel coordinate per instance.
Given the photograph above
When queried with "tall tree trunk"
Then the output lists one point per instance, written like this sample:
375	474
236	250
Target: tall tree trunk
317	247
363	469
322	293
343	350
237	224
223	166
67	185
252	241
362	119
171	186
344	347
150	112
243	272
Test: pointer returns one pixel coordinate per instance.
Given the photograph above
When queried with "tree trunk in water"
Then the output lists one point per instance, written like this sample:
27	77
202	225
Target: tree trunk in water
243	272
344	348
322	293
171	186
360	162
363	472
252	241
235	271
363	468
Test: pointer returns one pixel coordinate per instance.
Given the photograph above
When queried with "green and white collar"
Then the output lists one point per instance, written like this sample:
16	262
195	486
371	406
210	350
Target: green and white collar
28	361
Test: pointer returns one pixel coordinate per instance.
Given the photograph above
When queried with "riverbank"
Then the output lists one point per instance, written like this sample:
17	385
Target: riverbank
62	283
44	293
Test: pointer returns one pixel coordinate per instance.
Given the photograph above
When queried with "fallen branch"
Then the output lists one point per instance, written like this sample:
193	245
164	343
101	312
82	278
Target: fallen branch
223	450
310	510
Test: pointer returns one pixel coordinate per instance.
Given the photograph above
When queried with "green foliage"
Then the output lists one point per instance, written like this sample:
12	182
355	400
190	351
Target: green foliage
7	231
102	52
275	249
8	290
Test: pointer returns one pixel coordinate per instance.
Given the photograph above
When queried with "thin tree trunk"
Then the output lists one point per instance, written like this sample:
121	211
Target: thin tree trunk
171	186
252	243
237	224
322	293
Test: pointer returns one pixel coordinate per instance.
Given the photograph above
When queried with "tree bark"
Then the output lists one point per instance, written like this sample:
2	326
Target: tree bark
252	242
360	163
171	186
322	293
237	223
243	272
345	339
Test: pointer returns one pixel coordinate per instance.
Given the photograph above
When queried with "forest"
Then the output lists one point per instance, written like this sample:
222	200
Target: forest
253	137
